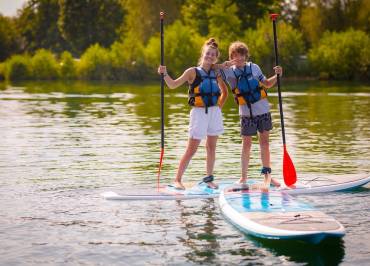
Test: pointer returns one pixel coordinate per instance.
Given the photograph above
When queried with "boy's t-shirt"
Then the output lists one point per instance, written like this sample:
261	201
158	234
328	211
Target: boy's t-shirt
258	108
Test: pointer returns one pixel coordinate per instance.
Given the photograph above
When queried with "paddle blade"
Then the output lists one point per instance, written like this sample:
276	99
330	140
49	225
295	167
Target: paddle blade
289	173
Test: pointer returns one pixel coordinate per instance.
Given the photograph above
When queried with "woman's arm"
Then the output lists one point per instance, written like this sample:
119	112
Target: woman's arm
270	82
187	76
224	91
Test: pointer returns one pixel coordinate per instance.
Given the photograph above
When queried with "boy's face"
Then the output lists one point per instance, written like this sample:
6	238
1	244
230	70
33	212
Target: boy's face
240	59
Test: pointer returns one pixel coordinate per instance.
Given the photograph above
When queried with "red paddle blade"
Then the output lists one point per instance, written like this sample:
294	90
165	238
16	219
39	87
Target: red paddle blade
289	173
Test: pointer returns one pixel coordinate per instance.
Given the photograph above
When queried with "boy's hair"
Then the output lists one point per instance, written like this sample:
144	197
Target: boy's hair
211	42
238	48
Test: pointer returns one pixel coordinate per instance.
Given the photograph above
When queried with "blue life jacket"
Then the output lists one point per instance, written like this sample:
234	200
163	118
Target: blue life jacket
248	90
204	91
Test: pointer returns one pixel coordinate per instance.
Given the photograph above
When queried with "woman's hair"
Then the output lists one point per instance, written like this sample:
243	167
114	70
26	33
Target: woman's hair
211	42
238	48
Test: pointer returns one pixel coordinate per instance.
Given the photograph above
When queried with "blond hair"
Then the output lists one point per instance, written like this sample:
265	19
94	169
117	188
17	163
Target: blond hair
211	42
238	48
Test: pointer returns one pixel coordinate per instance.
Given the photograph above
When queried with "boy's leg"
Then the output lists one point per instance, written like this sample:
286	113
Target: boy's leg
265	157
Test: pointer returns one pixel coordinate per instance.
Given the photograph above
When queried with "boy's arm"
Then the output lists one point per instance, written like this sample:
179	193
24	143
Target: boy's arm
270	82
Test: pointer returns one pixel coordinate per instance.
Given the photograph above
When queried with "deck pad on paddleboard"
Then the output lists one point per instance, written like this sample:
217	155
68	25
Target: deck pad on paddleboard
329	183
276	215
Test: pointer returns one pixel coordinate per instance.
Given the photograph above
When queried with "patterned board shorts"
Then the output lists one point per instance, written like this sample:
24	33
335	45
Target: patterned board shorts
249	127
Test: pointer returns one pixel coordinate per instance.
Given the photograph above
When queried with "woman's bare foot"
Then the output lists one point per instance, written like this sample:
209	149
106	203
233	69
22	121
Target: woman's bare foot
242	181
178	185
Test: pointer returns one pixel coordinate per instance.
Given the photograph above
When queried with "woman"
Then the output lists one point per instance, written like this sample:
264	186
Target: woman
207	95
249	86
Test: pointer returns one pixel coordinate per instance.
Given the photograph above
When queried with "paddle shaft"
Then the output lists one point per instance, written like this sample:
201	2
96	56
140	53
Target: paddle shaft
162	83
162	100
278	81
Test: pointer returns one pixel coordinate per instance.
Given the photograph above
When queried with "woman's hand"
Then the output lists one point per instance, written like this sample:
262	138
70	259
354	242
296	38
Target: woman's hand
162	70
278	70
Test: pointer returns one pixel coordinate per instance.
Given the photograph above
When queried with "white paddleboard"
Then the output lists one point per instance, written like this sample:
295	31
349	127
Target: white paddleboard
276	215
330	183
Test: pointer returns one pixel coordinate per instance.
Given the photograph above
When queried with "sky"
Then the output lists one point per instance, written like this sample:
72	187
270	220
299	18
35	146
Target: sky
9	7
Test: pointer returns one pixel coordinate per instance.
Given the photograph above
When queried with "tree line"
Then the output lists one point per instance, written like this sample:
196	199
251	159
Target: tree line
119	39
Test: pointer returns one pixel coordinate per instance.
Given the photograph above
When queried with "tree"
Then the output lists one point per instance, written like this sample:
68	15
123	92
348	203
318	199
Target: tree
37	24
86	22
8	38
142	19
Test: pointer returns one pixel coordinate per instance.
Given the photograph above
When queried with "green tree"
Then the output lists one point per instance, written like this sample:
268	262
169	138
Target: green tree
225	26
18	67
86	22
182	49
342	55
68	68
128	59
142	19
8	38
37	24
260	43
194	14
95	64
44	65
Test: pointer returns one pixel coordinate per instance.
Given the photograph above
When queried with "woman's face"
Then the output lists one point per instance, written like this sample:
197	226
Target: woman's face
210	55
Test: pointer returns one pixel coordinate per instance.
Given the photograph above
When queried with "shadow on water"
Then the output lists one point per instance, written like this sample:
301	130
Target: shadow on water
328	252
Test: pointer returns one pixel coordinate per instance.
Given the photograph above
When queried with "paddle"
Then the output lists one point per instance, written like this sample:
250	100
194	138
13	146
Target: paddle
161	15
289	173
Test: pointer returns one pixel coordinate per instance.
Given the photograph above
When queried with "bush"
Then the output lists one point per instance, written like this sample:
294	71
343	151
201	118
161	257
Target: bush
44	66
67	66
342	55
261	45
128	60
2	71
181	49
95	64
18	68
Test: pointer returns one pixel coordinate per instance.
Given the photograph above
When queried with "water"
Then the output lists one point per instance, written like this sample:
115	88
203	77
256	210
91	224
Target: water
63	144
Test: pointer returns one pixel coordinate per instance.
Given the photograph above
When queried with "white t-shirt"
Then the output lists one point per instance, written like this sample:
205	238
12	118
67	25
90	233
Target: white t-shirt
258	108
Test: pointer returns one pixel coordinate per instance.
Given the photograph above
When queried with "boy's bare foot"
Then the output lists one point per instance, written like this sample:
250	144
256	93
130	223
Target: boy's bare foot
275	183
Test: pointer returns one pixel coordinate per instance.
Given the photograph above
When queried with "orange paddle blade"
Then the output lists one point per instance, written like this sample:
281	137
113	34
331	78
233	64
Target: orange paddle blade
289	173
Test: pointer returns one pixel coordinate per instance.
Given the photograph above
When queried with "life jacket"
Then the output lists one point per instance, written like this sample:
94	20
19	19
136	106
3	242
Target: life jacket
204	91
248	90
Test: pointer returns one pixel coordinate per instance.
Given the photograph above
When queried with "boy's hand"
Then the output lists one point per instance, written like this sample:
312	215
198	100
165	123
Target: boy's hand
162	70
278	70
227	64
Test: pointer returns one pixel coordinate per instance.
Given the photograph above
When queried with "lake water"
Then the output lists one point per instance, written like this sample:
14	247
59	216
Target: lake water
61	145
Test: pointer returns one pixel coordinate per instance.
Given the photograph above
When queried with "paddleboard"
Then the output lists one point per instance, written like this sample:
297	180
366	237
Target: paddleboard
277	215
329	183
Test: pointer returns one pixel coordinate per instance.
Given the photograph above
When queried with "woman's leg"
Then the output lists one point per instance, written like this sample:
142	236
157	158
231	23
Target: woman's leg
265	156
184	162
246	150
211	157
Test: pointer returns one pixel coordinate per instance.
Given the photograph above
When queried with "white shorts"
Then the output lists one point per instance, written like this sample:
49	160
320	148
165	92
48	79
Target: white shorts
204	124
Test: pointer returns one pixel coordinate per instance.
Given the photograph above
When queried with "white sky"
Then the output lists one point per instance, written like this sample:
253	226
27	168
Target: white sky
9	7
